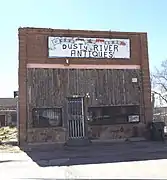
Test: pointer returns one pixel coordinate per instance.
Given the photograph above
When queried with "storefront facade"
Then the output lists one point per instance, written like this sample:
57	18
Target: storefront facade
76	85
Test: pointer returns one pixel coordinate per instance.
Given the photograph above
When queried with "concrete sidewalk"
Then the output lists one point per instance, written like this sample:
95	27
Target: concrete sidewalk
114	151
94	161
22	167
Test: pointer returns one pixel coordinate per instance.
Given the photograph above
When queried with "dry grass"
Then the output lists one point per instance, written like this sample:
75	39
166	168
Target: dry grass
8	134
4	148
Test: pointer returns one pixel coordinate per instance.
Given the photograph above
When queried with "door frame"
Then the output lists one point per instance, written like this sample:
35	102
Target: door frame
84	117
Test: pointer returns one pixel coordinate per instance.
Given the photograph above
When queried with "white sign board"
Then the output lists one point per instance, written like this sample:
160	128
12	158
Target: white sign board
134	80
73	47
134	118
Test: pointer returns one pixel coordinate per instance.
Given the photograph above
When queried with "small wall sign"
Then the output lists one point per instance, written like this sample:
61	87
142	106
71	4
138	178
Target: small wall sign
133	118
134	80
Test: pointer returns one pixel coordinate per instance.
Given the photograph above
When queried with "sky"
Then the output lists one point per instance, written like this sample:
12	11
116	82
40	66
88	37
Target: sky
115	15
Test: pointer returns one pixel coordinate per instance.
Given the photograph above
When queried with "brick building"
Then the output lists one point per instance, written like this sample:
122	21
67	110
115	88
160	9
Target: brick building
8	115
77	85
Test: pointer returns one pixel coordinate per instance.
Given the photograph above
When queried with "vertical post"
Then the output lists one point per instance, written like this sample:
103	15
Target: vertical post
22	98
17	112
147	105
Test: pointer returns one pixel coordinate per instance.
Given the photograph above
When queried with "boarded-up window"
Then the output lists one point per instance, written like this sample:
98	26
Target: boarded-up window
47	117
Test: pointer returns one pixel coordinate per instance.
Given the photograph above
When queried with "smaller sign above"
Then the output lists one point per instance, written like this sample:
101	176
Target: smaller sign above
74	47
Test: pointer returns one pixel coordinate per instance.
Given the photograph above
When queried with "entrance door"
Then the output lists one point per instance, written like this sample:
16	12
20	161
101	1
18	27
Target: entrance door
76	122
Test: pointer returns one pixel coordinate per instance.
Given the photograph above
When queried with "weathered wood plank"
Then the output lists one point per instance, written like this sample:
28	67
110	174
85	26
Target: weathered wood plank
49	87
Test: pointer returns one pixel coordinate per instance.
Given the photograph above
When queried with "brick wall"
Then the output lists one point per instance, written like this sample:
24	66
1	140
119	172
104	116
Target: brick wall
37	46
146	78
22	85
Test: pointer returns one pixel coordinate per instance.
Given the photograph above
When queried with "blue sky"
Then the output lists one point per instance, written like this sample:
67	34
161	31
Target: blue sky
117	15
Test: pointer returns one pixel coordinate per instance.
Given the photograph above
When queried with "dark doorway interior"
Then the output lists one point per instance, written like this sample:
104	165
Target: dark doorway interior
2	120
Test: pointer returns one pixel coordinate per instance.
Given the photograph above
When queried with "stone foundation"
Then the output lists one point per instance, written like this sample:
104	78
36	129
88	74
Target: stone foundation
102	132
110	132
41	135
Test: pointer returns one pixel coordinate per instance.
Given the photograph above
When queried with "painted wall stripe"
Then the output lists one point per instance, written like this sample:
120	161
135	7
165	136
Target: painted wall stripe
83	66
